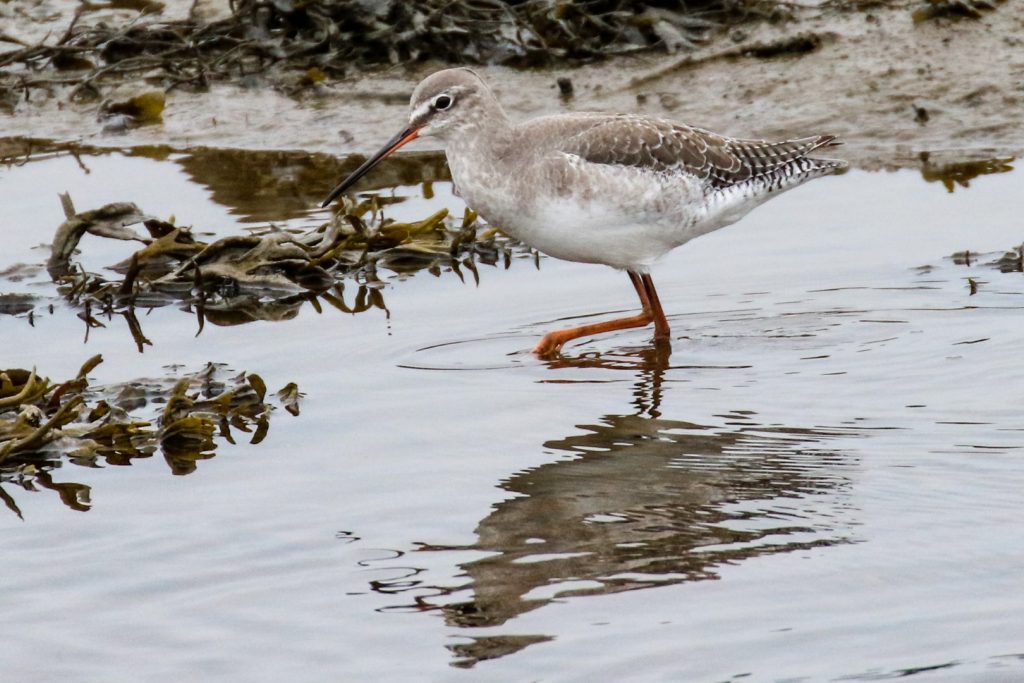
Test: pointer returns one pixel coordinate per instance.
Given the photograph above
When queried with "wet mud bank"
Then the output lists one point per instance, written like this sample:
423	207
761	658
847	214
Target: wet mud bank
890	86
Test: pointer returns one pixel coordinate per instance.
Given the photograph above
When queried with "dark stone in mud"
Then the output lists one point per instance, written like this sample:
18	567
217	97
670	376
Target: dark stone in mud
795	45
962	9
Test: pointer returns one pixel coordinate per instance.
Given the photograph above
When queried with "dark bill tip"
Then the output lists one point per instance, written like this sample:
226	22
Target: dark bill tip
407	135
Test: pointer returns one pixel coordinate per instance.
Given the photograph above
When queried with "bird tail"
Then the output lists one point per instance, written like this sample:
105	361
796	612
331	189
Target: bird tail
825	166
777	165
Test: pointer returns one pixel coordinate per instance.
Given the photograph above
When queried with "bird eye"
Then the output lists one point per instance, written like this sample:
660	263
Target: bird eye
442	102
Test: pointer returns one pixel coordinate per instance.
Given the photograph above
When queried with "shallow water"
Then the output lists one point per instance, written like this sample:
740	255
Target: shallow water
823	481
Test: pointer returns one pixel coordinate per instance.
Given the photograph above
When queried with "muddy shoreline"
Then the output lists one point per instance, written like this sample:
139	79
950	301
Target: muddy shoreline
889	87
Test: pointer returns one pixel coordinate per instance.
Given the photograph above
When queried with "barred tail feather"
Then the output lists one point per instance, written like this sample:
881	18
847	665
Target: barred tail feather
728	204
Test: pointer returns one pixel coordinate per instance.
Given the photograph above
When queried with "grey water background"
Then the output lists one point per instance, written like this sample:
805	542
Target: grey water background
823	482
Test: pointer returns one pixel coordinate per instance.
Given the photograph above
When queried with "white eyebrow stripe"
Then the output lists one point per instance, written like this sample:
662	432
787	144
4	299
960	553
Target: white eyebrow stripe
420	111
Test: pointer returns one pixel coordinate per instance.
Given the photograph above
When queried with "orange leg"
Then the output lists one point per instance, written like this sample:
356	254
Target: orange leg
661	329
641	289
652	312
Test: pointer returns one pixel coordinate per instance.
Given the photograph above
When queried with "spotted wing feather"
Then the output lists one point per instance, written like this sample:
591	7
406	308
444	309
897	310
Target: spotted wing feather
719	161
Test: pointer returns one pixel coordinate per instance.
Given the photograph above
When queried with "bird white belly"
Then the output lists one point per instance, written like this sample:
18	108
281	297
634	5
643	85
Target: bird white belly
571	230
590	213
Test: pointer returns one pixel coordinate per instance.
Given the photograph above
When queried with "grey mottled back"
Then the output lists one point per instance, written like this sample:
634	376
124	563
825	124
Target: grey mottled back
720	162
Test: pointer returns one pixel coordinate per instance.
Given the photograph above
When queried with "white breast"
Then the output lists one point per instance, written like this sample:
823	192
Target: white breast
592	213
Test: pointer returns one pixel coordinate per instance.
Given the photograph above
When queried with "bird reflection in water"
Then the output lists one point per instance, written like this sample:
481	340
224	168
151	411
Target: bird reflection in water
646	501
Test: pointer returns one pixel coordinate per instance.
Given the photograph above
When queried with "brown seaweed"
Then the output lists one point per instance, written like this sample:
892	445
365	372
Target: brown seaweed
45	424
301	44
267	274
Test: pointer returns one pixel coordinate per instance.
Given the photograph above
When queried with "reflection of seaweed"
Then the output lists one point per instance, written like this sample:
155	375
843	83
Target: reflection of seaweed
42	424
278	185
644	502
258	185
1011	261
961	172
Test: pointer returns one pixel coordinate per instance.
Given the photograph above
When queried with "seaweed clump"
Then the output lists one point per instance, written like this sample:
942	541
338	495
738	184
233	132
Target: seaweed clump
44	424
267	274
319	38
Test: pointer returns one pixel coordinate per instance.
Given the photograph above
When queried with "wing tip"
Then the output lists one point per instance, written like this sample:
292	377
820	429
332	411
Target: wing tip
828	140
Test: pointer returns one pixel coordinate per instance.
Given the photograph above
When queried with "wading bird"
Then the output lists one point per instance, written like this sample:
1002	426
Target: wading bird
617	189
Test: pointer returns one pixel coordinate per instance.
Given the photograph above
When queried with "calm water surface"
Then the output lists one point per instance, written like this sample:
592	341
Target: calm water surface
824	481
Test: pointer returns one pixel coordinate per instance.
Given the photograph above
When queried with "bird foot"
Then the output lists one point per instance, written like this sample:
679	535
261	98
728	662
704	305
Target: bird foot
552	342
549	345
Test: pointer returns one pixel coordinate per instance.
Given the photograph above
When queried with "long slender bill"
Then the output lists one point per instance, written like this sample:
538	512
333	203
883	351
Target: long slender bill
394	143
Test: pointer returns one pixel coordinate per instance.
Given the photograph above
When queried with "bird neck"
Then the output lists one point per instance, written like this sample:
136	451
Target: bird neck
489	136
481	159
